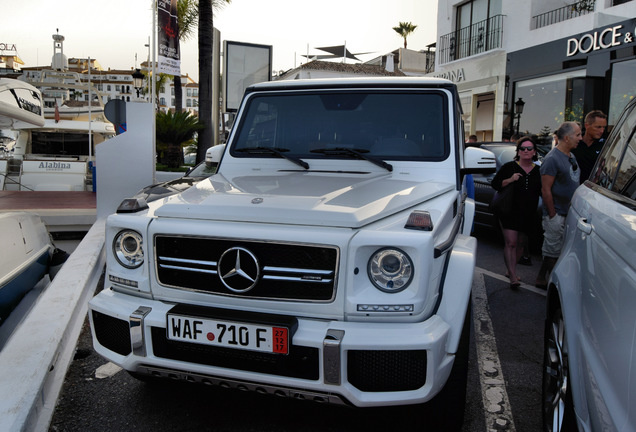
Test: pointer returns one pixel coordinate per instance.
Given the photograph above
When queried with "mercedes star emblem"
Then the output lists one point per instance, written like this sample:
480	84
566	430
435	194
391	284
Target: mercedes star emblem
238	269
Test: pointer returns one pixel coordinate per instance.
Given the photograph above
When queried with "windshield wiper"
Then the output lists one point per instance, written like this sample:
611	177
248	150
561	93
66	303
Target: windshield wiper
359	153
275	151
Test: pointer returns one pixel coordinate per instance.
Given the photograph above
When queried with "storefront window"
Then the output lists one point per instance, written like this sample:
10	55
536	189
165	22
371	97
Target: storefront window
623	88
549	101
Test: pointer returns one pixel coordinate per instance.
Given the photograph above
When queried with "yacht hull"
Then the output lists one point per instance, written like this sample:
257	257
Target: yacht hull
12	291
25	251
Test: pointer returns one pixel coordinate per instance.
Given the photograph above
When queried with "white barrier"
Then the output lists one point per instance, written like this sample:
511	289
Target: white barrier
34	362
3	172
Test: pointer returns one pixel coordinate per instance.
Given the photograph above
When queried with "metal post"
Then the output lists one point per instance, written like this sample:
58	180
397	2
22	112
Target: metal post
152	97
154	53
216	80
90	111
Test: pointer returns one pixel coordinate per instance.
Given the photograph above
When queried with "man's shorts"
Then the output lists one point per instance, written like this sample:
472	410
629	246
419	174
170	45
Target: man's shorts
553	230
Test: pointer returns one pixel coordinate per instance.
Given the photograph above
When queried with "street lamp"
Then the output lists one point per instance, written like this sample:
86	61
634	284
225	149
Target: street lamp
138	80
518	111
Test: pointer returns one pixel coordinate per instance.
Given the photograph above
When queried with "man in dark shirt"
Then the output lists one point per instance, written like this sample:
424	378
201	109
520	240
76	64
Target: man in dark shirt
592	143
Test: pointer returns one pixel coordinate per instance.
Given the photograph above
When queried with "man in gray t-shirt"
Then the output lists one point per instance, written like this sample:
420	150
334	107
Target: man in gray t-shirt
559	179
565	171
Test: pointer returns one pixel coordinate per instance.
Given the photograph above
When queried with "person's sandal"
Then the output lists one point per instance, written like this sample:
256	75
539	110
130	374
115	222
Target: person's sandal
525	260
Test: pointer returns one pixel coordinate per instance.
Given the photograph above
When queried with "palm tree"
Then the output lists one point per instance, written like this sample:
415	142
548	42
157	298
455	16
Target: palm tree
405	29
206	27
584	6
174	131
160	82
187	14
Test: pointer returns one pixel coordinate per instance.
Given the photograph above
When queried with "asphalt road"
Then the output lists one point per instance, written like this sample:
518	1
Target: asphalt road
512	324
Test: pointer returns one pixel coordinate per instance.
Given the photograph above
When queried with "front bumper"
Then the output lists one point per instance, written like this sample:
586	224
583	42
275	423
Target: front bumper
364	364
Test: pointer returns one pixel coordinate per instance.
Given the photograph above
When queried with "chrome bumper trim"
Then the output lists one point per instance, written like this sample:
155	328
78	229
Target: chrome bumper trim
136	326
331	356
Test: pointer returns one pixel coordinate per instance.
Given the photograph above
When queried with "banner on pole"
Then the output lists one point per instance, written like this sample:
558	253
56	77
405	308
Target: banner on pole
169	61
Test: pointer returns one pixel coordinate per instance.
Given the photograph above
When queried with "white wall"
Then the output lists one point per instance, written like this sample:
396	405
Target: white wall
126	163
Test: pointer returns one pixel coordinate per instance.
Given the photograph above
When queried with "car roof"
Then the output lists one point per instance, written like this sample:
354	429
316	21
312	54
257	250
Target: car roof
364	82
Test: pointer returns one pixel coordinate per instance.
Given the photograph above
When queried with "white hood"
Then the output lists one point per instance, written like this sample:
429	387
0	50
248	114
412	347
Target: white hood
301	198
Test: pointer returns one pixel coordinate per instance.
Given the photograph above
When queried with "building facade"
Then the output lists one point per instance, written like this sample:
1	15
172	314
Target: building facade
10	63
410	62
555	62
118	84
317	69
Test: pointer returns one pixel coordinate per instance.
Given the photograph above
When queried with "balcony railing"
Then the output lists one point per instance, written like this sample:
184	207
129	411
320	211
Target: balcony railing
564	13
478	38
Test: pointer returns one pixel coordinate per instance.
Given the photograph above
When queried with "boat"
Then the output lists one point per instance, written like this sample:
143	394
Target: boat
59	154
40	183
20	105
27	252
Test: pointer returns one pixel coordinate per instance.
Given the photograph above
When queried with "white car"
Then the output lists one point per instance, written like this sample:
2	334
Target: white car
329	258
589	378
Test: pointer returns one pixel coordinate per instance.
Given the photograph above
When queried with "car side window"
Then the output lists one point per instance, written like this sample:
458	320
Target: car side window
625	183
607	165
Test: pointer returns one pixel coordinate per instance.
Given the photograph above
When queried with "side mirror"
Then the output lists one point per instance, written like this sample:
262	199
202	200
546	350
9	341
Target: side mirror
478	161
214	154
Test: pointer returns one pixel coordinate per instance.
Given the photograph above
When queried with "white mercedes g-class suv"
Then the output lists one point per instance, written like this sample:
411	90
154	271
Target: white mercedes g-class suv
329	258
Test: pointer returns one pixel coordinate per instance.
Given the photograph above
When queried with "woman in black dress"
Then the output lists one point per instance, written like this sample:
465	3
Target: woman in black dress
522	174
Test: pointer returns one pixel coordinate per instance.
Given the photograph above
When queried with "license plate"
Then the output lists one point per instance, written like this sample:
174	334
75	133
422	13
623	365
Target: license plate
204	331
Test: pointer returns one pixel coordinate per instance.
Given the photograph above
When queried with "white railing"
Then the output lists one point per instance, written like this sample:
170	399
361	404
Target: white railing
34	361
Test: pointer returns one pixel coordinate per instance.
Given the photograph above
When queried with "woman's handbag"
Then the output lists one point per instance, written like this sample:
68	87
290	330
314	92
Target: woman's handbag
501	203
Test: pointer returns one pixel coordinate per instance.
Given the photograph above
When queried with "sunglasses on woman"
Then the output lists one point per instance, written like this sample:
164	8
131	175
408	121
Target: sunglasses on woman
526	148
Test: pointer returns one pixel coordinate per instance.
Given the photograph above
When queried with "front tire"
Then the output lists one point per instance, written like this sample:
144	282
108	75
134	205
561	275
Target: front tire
447	408
558	408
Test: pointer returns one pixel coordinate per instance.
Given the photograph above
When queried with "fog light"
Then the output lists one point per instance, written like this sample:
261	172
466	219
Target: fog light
122	281
385	308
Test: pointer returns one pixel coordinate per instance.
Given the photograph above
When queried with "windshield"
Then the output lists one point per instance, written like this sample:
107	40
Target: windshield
204	169
377	124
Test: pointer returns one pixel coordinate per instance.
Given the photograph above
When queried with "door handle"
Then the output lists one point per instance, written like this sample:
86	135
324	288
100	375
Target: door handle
584	226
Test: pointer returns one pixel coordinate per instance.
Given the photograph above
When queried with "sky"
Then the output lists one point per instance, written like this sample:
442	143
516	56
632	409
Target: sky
115	32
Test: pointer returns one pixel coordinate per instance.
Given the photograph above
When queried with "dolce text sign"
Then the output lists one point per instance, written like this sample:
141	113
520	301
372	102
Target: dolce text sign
594	41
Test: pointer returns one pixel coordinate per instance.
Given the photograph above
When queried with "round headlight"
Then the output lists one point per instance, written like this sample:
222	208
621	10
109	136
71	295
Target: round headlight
128	249
390	270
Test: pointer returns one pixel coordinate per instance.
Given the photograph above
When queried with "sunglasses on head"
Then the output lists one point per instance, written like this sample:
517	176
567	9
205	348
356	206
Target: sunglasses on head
526	148
573	163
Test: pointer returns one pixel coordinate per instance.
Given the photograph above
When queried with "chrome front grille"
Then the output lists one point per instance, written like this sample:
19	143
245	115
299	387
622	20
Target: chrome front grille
266	270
